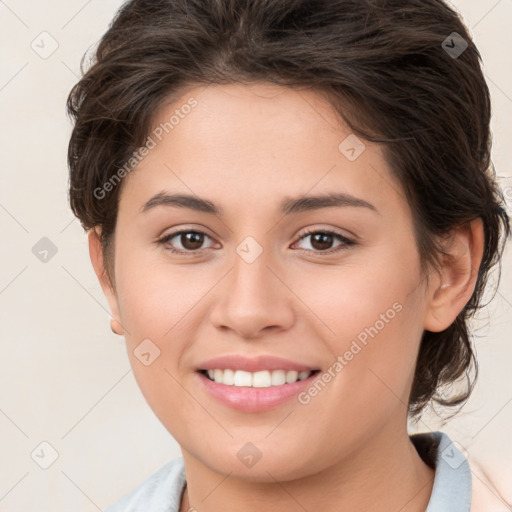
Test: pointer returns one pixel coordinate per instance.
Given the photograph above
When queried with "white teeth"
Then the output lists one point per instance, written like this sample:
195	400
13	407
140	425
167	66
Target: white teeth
261	379
291	376
217	375
242	378
228	377
278	378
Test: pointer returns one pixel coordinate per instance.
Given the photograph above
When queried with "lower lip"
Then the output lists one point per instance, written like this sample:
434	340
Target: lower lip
249	399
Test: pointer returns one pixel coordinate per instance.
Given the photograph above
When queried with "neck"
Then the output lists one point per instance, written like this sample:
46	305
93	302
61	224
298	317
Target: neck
386	471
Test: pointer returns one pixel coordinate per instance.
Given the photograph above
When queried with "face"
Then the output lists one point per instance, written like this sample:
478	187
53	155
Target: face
333	287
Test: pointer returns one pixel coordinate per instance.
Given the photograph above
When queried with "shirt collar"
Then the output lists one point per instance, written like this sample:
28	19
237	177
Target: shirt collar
451	491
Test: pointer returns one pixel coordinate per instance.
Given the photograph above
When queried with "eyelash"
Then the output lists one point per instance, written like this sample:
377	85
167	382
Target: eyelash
346	242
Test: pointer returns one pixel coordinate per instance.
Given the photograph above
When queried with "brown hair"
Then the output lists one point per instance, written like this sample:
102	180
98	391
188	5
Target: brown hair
390	70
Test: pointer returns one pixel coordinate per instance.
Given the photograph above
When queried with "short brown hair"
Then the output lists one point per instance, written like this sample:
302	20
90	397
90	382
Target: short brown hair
386	68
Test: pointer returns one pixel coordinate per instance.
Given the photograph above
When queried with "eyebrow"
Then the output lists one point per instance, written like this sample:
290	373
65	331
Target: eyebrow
290	205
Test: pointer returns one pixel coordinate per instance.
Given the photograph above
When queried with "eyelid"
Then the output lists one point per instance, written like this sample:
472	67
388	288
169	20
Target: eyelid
315	229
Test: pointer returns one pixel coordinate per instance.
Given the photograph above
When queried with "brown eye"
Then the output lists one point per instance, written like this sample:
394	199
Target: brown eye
190	241
322	241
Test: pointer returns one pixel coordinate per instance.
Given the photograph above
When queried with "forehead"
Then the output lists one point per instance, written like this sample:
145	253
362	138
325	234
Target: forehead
253	115
256	143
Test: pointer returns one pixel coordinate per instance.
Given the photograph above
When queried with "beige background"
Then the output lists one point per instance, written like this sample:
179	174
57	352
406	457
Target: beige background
64	377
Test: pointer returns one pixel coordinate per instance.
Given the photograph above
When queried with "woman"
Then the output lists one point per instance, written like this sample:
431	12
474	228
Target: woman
292	212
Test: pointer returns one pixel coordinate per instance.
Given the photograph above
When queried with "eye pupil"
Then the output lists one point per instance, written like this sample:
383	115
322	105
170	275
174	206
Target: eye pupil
196	240
321	238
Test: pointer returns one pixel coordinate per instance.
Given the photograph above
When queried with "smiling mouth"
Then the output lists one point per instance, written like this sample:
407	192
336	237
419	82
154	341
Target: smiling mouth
260	379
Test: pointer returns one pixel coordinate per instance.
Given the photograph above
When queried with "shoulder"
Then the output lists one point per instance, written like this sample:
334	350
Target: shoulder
160	492
491	493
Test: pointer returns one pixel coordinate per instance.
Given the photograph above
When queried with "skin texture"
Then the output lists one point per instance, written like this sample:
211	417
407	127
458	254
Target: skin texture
246	148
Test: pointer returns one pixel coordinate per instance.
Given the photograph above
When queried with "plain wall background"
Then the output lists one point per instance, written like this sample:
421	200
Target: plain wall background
65	378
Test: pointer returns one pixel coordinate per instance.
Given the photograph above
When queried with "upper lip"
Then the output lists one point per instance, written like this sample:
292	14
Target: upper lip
253	364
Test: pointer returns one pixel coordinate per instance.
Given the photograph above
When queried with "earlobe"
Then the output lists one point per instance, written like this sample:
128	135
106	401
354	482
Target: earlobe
98	263
116	327
456	277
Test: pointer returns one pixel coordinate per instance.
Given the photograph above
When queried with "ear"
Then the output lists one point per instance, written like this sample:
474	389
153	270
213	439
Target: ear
98	263
454	283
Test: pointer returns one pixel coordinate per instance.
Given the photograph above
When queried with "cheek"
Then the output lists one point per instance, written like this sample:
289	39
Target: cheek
157	304
371	316
156	298
374	290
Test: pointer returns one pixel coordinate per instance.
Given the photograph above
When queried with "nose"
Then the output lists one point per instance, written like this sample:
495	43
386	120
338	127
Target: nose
254	298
